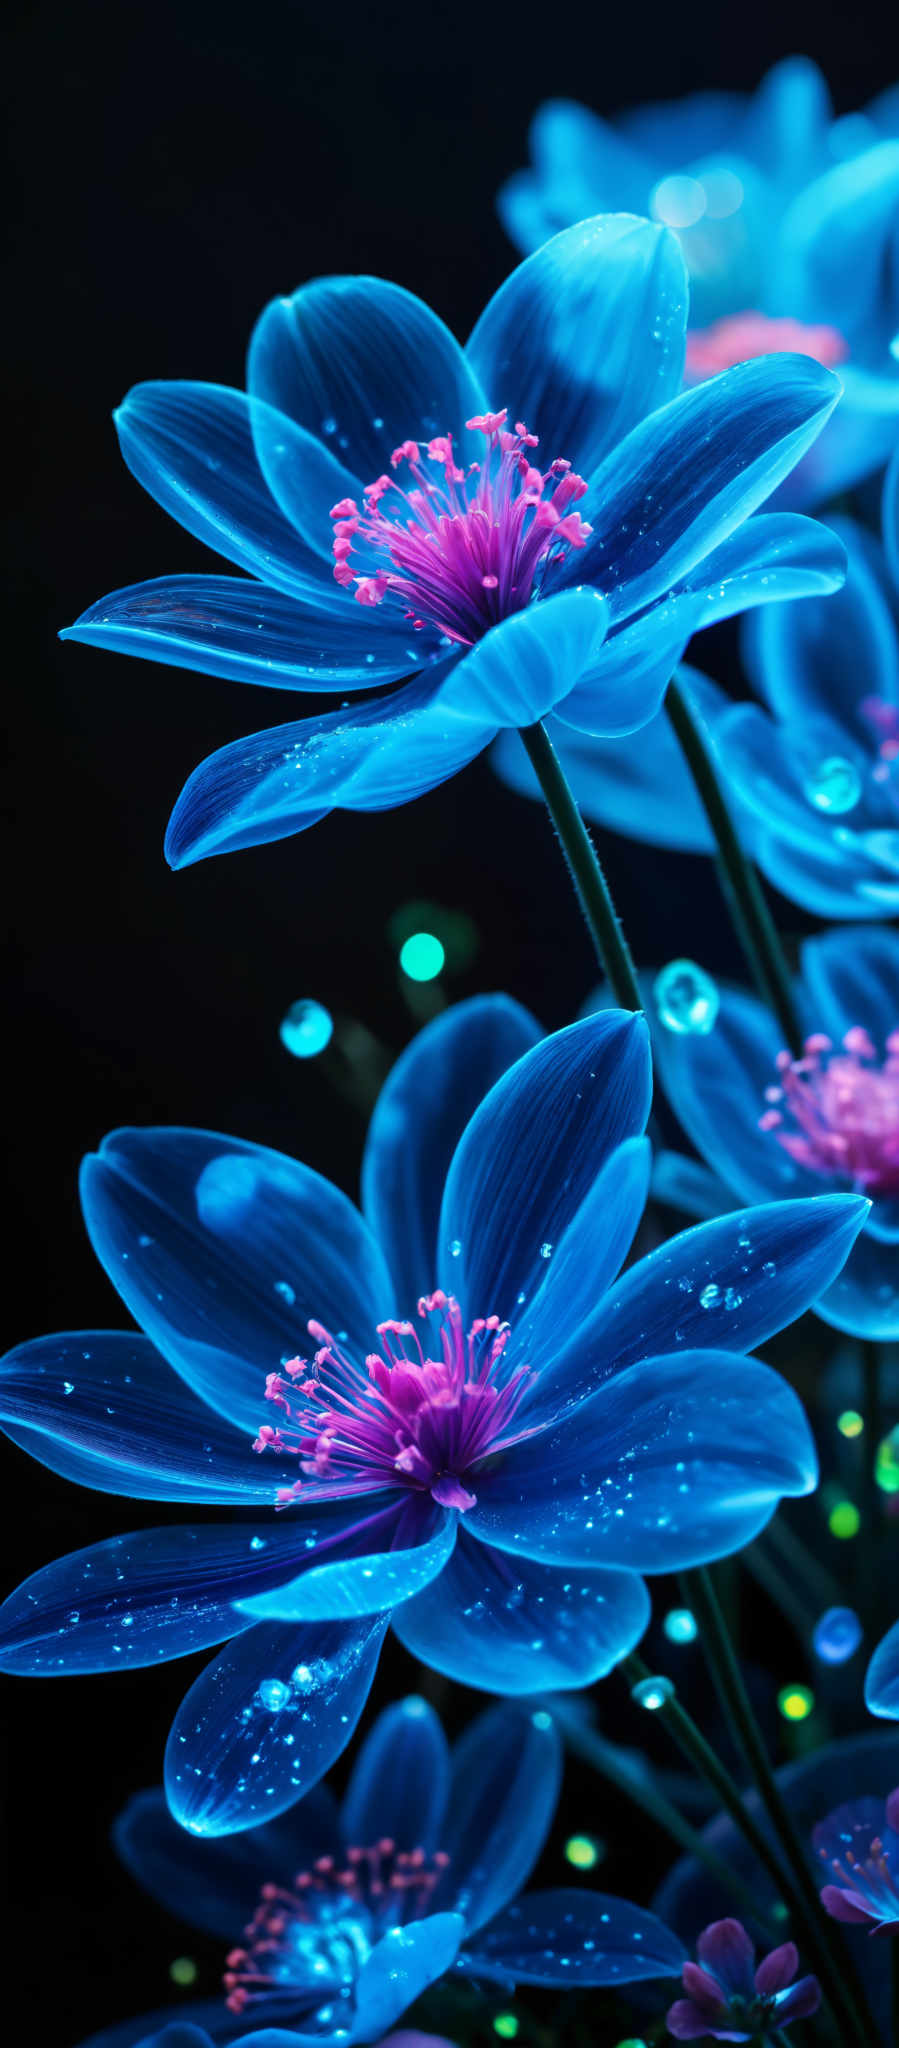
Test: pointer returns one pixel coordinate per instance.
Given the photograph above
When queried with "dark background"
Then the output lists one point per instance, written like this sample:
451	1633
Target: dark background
174	166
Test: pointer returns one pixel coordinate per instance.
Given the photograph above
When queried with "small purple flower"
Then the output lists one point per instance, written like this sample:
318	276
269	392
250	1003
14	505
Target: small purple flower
859	1843
728	1999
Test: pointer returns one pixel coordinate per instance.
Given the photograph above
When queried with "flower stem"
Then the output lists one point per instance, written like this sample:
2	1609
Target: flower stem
728	1682
752	919
694	1745
584	867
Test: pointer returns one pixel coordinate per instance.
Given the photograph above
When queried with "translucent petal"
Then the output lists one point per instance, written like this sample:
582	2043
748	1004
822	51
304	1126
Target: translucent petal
519	1627
250	632
574	1937
822	658
716	1085
223	1251
586	336
420	1114
528	662
532	1151
401	1966
370	1582
882	1677
230	1759
506	1774
399	1780
364	365
864	1298
215	1883
586	1260
852	977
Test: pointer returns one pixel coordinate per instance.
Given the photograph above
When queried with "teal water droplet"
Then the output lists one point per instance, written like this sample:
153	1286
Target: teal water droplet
680	1625
68	1386
272	1694
686	998
287	1293
709	1295
837	1635
306	1028
652	1693
834	786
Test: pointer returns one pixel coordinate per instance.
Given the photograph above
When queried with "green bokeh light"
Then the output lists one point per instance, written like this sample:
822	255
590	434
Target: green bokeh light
582	1851
886	1463
422	956
844	1520
850	1423
183	1970
506	2026
795	1702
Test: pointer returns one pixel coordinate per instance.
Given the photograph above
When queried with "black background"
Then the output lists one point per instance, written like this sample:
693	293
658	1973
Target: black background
174	166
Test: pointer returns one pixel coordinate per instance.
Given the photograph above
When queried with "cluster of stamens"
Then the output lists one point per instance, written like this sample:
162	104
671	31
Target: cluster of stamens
869	1878
462	554
403	1419
739	336
844	1109
314	1937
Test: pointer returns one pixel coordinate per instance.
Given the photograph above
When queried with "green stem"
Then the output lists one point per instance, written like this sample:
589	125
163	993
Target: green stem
742	888
728	1682
694	1745
601	1755
584	867
802	1563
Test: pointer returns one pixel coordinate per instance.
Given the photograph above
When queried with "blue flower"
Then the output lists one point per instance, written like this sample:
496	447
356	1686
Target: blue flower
882	1677
858	1844
729	1999
535	1437
364	463
769	1126
775	205
343	1915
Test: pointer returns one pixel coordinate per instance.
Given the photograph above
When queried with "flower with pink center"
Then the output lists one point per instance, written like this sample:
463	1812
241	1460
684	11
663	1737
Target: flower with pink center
729	1999
738	336
858	1846
836	1110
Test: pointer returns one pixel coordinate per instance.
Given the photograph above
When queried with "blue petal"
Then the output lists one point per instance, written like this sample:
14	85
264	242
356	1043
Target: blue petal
852	977
249	632
532	1152
506	1775
370	1582
104	1408
529	661
864	1298
729	1284
421	1112
772	557
230	1759
882	1677
843	225
786	122
191	446
715	1083
574	1937
400	1967
399	1780
693	471
849	875
518	1627
859	438
891	517
586	336
638	783
823	658
371	758
685	1184
155	1594
586	1260
223	1251
215	1884
676	1461
365	365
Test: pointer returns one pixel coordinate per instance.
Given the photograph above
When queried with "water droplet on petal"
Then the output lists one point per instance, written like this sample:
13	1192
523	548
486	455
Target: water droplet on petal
272	1694
686	998
834	786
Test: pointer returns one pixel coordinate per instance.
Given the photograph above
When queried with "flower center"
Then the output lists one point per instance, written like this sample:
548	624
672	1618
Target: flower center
403	1418
870	1876
460	554
307	1944
741	335
844	1109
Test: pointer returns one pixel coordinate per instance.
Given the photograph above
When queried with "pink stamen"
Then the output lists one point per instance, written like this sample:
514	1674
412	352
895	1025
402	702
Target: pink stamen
404	1418
739	336
883	719
459	556
844	1108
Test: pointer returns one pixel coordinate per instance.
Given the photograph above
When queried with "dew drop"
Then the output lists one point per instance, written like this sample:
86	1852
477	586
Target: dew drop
652	1693
834	786
306	1028
710	1295
272	1694
287	1293
686	998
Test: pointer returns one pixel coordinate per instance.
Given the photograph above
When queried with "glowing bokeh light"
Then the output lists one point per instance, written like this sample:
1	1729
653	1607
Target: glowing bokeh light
795	1702
679	201
183	1970
680	1625
582	1851
850	1423
306	1029
422	956
837	1635
506	2026
844	1520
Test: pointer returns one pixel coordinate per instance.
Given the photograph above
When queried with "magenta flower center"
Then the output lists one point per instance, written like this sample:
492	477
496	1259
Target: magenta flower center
741	335
836	1110
404	1418
311	1941
870	1883
456	549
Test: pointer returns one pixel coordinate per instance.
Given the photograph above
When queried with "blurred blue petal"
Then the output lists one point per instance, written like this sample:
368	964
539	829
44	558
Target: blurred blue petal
371	758
363	365
506	1777
686	1184
574	1937
517	1627
104	1408
864	1298
251	633
842	225
223	1251
821	658
882	1677
372	1581
587	336
852	977
787	120
545	1129
215	1884
891	517
418	1119
191	446
679	1460
399	1781
230	1759
401	1966
694	470
716	1085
